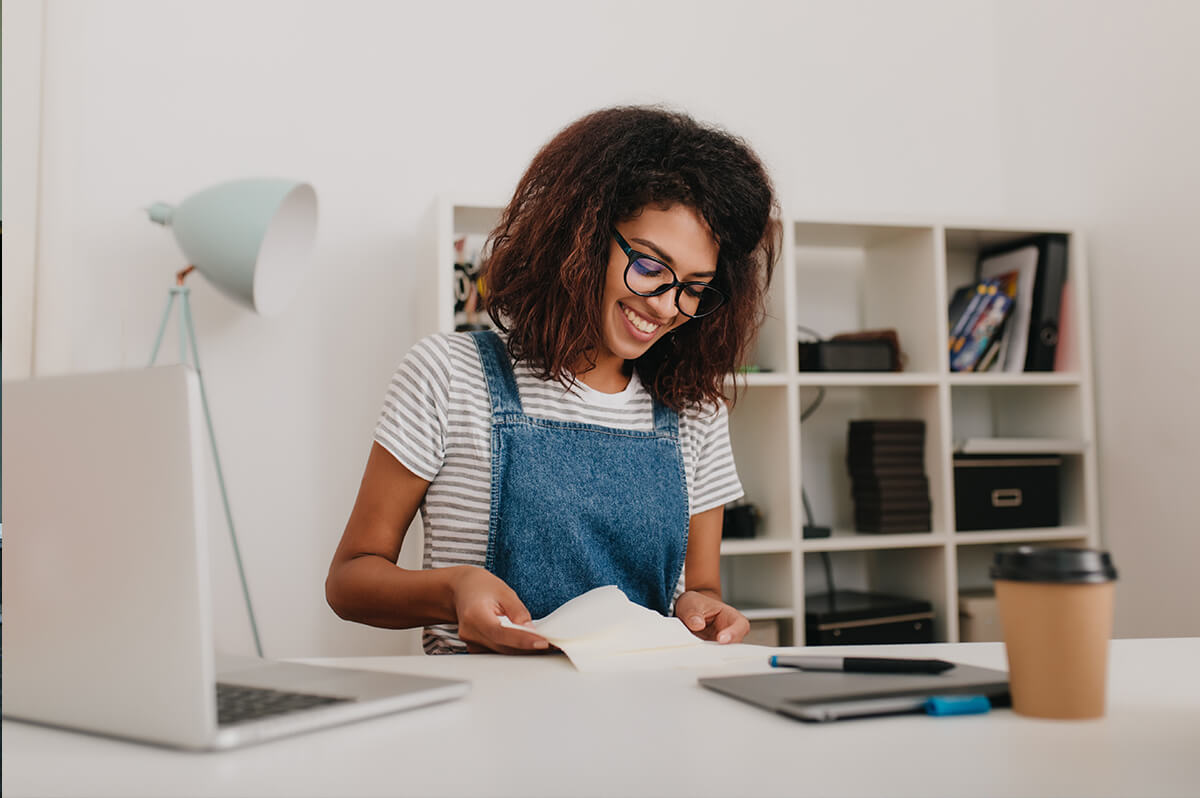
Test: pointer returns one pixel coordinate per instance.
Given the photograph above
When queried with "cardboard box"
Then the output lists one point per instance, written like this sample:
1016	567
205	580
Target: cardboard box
978	618
763	633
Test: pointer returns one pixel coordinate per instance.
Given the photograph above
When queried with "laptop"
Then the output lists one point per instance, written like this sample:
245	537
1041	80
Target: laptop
820	696
108	625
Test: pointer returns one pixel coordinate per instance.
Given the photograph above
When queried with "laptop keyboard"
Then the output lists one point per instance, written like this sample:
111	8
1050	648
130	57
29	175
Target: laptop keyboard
238	704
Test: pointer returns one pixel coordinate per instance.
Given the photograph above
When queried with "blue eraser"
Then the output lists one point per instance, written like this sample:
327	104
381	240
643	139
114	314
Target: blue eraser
957	705
772	660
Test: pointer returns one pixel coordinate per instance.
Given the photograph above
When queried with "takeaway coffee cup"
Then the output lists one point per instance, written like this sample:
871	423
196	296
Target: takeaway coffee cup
1056	611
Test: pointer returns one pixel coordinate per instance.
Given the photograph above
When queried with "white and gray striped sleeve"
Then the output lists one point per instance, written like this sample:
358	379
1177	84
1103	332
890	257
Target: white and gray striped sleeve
412	423
716	480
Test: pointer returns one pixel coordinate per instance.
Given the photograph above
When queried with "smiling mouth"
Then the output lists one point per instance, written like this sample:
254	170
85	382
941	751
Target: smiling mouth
639	323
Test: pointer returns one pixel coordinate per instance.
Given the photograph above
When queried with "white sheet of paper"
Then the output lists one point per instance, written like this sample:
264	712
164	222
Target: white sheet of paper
602	630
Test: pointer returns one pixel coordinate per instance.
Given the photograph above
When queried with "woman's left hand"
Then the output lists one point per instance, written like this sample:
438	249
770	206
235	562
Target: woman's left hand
709	618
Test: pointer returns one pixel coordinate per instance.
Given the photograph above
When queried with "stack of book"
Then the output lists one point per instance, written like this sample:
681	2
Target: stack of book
887	471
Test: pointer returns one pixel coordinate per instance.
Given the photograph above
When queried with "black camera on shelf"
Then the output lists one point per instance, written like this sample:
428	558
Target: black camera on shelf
741	521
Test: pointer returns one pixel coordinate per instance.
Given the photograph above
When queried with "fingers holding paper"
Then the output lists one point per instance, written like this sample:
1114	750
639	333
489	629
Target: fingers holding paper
481	599
710	618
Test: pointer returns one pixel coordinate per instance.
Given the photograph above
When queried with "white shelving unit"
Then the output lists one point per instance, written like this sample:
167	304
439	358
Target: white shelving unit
844	275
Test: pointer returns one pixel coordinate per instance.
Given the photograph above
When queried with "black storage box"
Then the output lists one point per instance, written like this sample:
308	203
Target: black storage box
847	356
851	617
1006	491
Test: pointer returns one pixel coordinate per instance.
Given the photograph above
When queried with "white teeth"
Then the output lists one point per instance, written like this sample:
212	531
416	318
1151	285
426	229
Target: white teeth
640	323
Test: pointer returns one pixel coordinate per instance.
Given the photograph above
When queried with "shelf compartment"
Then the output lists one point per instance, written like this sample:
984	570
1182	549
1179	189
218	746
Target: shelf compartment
758	423
824	473
474	218
909	572
1050	412
974	562
963	245
758	581
772	349
1011	410
1073	506
852	277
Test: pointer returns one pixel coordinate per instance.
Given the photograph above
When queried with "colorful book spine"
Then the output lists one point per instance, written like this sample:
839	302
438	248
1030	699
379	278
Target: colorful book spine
984	292
968	317
985	332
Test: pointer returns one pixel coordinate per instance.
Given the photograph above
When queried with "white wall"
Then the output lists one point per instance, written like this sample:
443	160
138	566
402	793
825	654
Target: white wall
22	56
963	108
1102	121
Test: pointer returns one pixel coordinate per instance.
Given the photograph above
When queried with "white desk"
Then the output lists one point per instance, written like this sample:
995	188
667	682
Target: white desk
533	726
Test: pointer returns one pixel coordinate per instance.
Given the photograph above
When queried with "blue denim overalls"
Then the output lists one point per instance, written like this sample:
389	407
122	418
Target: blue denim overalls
577	506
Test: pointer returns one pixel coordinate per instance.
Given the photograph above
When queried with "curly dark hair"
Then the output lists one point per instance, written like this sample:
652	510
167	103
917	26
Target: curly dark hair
544	277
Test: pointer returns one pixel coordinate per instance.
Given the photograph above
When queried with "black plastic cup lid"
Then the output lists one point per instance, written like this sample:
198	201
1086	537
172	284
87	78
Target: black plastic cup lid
1073	566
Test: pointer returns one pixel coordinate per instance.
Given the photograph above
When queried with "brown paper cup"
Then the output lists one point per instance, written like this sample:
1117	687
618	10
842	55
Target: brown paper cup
1057	625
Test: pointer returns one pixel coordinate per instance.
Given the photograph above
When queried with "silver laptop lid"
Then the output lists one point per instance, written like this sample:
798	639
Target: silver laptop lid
108	623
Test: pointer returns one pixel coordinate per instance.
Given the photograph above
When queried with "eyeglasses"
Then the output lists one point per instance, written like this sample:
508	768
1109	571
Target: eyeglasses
646	275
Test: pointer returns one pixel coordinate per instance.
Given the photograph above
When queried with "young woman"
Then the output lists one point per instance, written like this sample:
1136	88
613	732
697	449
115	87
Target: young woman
588	444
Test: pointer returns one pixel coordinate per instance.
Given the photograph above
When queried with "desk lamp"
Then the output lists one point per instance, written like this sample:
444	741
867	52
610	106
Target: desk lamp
251	239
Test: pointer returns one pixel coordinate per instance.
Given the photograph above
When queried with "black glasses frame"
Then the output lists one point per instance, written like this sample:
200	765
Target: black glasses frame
676	284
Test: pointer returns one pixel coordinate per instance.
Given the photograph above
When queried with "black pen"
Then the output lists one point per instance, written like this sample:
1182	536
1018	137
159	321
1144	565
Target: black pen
862	664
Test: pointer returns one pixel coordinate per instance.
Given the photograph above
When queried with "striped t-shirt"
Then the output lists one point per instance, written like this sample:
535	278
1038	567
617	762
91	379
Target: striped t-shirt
436	421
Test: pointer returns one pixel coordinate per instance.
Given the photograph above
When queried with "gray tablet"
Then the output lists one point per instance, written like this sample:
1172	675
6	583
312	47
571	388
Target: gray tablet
823	696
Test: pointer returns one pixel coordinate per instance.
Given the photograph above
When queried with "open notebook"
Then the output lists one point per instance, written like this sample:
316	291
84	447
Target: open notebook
602	630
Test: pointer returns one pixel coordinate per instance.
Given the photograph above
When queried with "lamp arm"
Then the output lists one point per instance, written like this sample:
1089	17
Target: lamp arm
212	439
162	328
188	331
179	288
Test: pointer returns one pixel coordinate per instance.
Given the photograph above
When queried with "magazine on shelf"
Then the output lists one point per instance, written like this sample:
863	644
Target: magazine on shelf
985	333
977	335
1019	446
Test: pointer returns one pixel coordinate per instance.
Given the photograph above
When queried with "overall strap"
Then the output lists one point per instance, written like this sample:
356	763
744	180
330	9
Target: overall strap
666	420
497	370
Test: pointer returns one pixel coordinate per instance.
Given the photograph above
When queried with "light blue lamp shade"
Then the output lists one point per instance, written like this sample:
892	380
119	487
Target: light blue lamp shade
250	238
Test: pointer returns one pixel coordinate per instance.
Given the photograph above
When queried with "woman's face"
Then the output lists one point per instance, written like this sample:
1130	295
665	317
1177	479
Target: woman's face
631	323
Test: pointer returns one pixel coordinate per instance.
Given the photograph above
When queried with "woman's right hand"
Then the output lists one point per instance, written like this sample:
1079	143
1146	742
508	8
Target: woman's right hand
480	598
